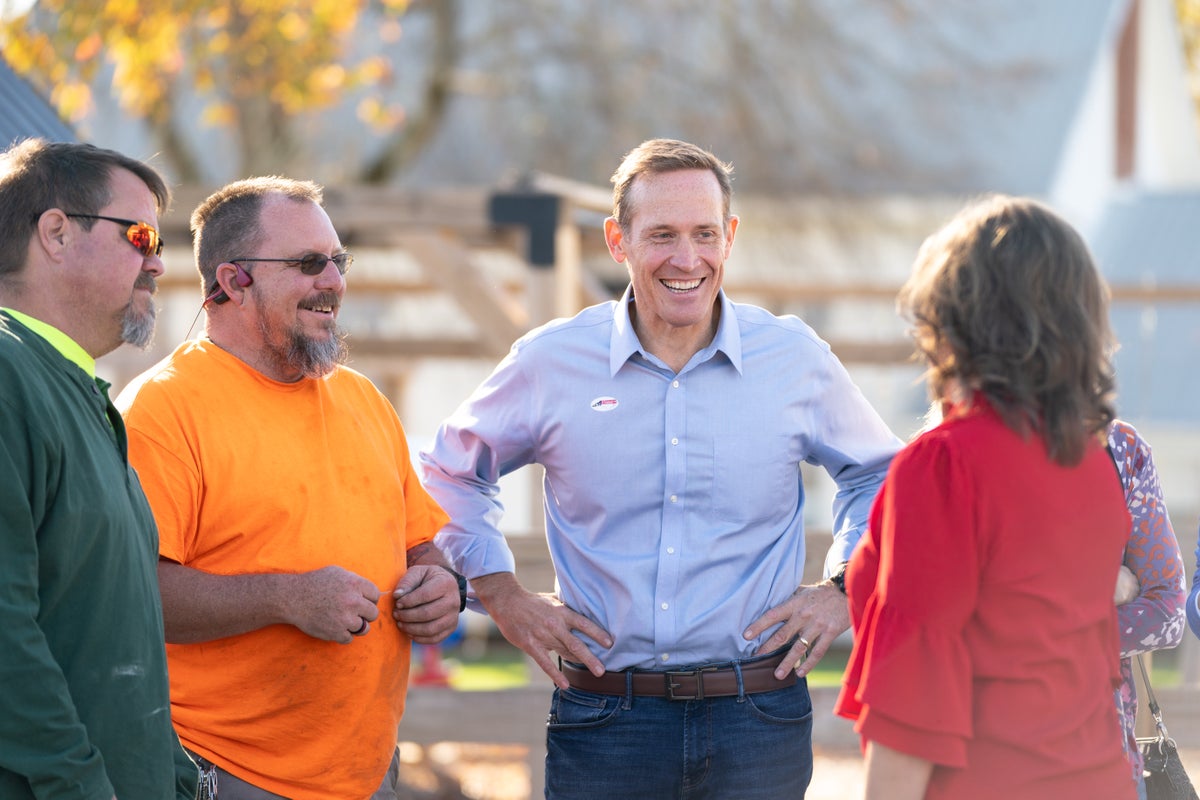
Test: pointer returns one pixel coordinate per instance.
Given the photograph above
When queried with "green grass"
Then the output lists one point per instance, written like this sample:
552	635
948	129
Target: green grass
488	675
503	666
830	669
1165	670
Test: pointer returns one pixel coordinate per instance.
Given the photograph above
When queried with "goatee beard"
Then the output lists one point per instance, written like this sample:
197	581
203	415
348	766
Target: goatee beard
137	329
316	359
294	352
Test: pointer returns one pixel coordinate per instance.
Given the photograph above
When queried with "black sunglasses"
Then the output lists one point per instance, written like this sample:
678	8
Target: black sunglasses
144	238
311	264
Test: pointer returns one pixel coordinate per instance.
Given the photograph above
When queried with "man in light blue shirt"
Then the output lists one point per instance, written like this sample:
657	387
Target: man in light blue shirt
671	425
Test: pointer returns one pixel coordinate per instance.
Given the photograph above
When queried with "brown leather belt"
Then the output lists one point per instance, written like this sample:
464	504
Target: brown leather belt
719	680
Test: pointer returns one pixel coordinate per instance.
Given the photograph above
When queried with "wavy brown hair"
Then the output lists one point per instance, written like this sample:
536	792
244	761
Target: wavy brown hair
1005	299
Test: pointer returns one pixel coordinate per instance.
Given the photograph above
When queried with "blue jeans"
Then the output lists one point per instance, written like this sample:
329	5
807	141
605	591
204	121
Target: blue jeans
652	748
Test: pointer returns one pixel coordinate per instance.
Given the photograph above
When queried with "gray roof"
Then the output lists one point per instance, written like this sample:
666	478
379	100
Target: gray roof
25	113
954	97
984	101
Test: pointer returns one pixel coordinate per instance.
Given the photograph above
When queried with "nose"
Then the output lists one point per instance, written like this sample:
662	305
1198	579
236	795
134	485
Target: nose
331	278
685	255
154	265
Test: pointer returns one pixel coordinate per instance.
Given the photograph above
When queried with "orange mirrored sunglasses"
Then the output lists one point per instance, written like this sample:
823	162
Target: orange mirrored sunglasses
144	238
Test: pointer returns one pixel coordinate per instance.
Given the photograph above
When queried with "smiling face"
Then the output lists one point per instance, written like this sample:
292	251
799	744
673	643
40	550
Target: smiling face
675	249
296	314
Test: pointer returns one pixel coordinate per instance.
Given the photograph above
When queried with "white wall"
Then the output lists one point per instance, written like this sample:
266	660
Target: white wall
1168	144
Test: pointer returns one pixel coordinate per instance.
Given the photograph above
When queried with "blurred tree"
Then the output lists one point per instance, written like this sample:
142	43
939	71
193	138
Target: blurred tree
1189	27
802	95
259	68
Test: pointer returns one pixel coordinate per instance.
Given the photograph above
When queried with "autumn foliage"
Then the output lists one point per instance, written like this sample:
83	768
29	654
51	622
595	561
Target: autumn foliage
252	63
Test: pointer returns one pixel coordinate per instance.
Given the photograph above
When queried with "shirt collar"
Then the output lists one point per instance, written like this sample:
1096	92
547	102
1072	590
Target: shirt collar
64	344
625	343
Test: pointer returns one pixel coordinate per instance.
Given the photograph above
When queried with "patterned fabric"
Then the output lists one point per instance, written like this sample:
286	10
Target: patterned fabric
1154	620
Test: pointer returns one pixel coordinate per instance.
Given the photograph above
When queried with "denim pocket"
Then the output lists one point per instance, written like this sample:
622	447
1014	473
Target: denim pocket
573	708
783	706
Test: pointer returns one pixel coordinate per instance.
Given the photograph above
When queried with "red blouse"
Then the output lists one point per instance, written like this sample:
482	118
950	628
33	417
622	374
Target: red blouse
985	631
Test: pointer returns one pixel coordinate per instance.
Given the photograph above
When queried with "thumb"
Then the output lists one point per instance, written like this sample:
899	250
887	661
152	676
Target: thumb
412	578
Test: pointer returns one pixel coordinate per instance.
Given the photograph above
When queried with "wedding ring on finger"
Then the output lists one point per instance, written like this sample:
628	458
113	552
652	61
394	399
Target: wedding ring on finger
361	628
807	644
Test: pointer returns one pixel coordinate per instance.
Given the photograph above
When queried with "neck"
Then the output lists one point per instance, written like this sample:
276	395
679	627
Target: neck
257	360
60	319
675	346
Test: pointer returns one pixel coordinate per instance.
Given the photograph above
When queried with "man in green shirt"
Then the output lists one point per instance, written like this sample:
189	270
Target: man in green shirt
84	707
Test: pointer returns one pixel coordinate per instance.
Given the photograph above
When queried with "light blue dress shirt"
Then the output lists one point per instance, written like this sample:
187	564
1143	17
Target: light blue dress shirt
674	503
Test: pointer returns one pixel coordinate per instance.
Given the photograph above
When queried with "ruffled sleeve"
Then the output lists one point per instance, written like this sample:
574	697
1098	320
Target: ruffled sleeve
913	586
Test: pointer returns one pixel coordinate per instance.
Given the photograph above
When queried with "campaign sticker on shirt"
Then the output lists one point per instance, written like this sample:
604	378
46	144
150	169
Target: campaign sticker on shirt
604	404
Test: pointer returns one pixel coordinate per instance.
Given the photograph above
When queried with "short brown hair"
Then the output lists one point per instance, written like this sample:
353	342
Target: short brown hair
227	224
665	155
36	175
1006	299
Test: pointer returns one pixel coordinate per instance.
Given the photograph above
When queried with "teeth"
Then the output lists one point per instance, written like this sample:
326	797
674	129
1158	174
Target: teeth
681	286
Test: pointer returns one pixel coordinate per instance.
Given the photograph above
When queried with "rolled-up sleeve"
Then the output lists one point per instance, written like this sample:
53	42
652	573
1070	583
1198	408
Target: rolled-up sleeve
487	437
856	448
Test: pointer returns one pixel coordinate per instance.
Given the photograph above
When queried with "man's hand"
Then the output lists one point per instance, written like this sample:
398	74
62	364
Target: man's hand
814	616
426	603
540	625
333	604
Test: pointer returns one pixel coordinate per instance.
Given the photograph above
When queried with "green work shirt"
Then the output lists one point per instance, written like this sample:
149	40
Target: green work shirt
84	706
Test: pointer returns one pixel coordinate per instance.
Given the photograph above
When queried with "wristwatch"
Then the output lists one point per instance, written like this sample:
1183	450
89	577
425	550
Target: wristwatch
462	589
838	578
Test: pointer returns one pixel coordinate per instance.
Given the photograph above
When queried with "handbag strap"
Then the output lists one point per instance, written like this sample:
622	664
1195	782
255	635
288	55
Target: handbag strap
1152	701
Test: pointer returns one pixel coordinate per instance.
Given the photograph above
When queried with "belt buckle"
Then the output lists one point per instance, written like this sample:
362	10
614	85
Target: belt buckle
698	674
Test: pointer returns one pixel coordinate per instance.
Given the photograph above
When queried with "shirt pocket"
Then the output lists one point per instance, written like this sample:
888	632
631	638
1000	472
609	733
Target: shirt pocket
755	478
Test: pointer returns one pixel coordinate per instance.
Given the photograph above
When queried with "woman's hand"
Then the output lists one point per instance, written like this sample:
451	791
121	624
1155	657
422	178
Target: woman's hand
1127	586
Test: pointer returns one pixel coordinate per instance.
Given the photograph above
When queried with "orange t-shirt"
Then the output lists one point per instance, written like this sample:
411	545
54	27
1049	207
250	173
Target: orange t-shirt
246	474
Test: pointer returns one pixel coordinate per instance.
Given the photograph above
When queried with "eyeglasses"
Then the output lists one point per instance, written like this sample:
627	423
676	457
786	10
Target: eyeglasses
311	264
144	238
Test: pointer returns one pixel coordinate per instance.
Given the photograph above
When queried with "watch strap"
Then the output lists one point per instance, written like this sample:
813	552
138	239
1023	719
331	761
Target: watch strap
838	578
461	580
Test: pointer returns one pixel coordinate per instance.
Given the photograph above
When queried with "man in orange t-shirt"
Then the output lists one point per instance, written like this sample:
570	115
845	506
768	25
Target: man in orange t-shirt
292	524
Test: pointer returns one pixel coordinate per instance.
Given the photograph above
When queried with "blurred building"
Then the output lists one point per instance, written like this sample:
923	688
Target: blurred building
855	128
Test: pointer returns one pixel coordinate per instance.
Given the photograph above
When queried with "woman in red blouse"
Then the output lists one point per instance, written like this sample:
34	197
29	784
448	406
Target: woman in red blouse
986	649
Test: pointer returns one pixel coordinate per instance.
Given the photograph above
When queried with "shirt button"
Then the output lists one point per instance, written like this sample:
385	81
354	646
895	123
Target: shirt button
675	384
665	657
665	606
674	499
674	441
670	551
